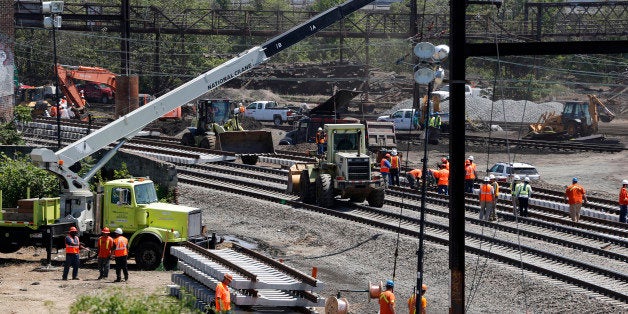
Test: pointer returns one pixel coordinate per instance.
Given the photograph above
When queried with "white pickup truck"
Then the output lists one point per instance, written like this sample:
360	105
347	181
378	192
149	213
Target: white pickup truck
443	92
403	119
265	110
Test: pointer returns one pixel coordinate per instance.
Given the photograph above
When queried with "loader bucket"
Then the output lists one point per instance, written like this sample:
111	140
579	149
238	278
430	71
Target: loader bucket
294	178
246	142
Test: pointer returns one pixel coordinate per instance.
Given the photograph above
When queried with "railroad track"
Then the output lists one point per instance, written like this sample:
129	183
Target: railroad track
609	281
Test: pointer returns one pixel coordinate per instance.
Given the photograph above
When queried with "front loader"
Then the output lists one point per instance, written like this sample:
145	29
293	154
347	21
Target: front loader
217	128
345	170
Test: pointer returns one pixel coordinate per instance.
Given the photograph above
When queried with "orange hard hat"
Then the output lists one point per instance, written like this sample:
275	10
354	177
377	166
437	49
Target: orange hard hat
228	276
73	229
424	287
105	230
387	155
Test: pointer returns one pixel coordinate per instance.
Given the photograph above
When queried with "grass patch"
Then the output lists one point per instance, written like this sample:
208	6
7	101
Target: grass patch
128	301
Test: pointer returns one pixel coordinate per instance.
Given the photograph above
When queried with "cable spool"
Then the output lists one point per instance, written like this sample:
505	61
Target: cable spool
336	306
375	290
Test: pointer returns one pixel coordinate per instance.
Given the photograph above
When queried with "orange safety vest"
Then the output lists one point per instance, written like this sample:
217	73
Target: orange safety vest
386	298
442	176
120	244
53	111
222	293
469	174
412	304
486	192
623	196
320	137
242	109
574	193
416	173
382	166
105	243
73	248
394	162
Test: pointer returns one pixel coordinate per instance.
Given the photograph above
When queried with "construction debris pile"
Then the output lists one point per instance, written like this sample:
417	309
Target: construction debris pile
485	110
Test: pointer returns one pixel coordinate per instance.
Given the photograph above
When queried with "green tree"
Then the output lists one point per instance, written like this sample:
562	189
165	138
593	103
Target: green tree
18	174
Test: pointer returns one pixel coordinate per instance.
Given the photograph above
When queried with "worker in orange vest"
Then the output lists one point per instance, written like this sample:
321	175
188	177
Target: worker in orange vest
412	302
395	163
223	297
414	177
321	138
120	253
105	244
443	179
387	299
73	247
487	195
384	169
469	176
575	195
623	202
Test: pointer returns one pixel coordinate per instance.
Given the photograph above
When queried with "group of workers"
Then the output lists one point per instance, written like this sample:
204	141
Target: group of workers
520	189
387	300
115	247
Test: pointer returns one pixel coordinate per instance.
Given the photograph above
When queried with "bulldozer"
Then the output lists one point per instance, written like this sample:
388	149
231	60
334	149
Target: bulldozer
344	170
218	128
578	119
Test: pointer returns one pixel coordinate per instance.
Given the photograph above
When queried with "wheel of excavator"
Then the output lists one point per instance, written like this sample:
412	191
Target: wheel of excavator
208	142
187	139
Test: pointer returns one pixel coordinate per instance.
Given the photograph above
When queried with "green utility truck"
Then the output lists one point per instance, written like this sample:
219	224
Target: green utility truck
345	170
130	204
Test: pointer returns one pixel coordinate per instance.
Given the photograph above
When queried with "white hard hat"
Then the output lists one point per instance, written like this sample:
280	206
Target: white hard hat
118	231
486	179
517	178
492	177
394	152
624	182
470	158
320	129
526	179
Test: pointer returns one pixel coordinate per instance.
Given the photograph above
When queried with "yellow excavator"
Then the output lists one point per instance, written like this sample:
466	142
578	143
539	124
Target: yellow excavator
578	119
217	128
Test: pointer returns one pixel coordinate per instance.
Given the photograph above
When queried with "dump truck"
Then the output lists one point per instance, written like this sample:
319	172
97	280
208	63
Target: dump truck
152	226
345	170
219	129
578	119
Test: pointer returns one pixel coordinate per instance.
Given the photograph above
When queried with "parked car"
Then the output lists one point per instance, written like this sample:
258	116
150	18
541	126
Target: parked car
403	119
469	91
94	92
504	172
270	111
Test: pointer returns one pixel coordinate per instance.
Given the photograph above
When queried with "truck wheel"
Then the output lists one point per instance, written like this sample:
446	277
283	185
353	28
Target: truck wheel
187	139
572	129
277	121
307	192
376	198
208	142
148	255
9	248
324	191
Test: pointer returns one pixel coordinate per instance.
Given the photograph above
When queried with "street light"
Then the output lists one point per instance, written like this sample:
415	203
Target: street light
428	72
54	8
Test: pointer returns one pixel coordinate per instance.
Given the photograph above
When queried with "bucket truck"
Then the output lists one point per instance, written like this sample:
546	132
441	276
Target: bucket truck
131	204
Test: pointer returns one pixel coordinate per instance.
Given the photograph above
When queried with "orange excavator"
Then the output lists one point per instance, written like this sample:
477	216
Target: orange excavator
67	74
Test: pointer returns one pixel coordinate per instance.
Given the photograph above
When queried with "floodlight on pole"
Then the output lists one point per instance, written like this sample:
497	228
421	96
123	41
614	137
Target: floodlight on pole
424	50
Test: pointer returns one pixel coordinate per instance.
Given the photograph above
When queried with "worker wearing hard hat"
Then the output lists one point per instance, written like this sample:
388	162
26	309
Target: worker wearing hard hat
387	299
412	301
223	298
623	202
120	253
105	244
442	175
516	181
575	196
395	164
384	169
72	248
524	191
470	174
496	188
321	138
487	194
